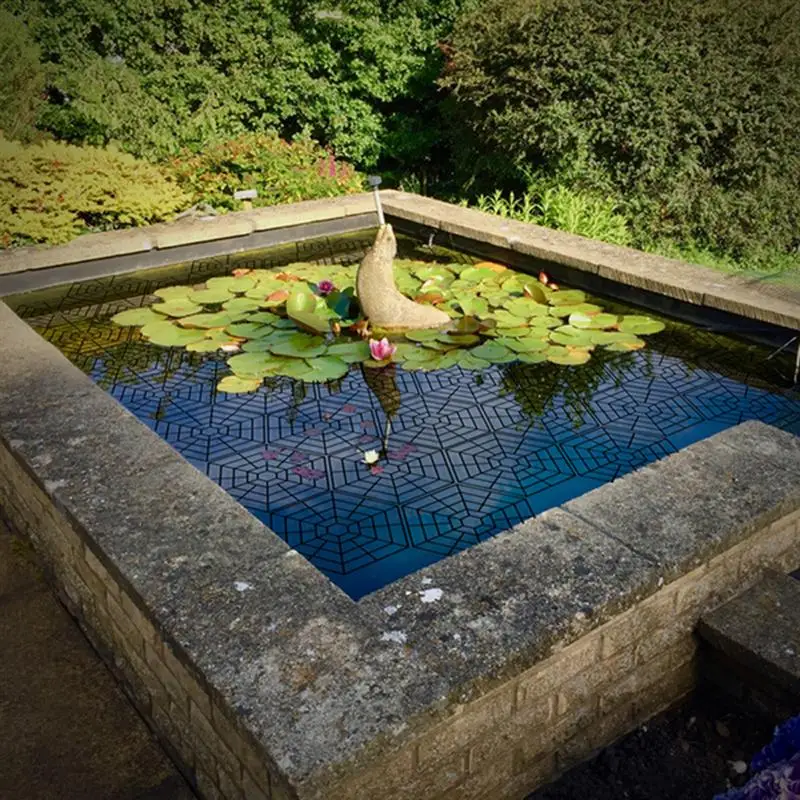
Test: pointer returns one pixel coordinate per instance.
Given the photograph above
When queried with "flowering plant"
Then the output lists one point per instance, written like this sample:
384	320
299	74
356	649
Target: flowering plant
381	350
325	287
777	768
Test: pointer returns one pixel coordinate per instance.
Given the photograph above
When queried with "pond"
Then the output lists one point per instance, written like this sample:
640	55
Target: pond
465	449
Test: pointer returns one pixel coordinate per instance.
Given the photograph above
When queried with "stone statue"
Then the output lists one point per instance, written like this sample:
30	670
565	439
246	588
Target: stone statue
380	300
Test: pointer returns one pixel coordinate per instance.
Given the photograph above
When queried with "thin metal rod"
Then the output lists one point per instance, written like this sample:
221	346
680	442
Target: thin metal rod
378	205
797	363
782	348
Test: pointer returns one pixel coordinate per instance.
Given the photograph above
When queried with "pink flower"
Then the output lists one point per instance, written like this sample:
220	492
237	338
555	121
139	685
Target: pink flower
382	350
325	287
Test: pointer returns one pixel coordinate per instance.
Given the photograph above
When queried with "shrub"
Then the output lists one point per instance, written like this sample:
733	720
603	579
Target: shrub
561	208
51	192
688	112
23	79
280	171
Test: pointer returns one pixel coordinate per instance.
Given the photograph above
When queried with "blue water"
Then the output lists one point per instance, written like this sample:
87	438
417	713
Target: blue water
468	455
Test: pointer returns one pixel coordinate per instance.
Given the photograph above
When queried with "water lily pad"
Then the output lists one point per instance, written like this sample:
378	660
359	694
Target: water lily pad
136	316
350	352
310	321
167	334
231	284
514	332
176	308
470	361
420	354
213	320
567	356
253	365
576	308
301	298
437	273
325	368
301	345
475	274
529	344
593	321
526	307
173	292
248	330
472	305
566	297
233	384
513	285
465	325
423	335
634	323
241	304
274	299
206	297
493	352
459	340
535	292
203	346
505	319
572	337
282	322
264	317
532	358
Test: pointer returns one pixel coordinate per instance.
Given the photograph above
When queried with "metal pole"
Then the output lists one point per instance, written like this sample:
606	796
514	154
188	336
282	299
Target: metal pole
375	181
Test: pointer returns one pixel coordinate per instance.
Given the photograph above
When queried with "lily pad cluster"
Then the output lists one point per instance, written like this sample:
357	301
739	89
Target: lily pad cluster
303	321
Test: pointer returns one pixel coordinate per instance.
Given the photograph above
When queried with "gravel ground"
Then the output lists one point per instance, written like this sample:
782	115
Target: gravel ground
688	753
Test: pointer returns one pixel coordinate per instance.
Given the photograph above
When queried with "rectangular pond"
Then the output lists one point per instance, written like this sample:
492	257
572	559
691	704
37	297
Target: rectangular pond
465	453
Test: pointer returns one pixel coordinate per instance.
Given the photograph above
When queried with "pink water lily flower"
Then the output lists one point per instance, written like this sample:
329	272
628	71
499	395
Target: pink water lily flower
325	287
381	350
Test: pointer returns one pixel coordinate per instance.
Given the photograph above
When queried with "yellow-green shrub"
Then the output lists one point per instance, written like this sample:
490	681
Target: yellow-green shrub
51	192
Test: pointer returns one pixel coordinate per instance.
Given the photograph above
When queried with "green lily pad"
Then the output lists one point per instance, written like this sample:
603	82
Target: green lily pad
515	332
567	356
173	292
470	361
239	304
533	358
420	354
423	335
535	291
301	298
475	274
513	286
301	345
472	305
248	330
350	352
233	384
176	308
528	344
253	365
310	321
206	297
264	317
633	323
220	319
167	334
526	308
493	352
465	325
617	340
505	319
572	337
231	284
325	368
136	316
438	274
203	346
282	322
566	297
577	308
592	321
458	339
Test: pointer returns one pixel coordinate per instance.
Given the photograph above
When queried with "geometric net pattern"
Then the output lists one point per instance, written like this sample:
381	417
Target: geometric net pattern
470	454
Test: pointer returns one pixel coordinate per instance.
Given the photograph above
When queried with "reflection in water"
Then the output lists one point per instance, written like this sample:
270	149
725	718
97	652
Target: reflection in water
462	455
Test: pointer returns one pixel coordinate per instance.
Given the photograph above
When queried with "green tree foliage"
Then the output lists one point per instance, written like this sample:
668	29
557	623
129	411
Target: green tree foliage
160	76
281	172
686	112
22	82
51	192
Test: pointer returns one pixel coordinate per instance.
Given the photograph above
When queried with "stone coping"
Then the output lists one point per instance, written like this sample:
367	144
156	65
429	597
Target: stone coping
326	684
165	236
690	283
679	280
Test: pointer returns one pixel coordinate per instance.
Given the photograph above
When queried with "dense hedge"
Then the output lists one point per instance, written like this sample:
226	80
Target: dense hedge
51	192
157	77
688	113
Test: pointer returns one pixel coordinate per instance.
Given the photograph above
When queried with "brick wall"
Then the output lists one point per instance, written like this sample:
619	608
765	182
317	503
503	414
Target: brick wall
583	697
502	745
215	755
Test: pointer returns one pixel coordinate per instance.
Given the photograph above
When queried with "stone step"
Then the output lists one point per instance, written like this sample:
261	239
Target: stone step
751	645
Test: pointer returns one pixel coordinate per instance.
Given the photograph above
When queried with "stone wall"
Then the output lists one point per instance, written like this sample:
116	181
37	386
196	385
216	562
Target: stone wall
202	737
502	745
